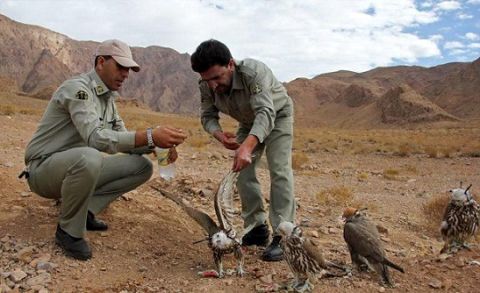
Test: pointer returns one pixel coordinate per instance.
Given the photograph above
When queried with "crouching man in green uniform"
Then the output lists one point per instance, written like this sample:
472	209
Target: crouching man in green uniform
248	91
73	153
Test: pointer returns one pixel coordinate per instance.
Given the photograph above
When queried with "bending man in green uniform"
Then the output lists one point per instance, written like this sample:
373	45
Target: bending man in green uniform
72	155
248	91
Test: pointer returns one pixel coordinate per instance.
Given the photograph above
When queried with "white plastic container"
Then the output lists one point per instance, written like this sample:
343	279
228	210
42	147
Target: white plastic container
166	170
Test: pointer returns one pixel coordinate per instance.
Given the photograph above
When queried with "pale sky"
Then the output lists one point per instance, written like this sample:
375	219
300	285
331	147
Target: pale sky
294	38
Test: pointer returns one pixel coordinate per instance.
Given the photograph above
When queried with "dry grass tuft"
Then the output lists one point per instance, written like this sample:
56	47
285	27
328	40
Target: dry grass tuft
404	150
298	160
198	141
434	209
432	151
391	174
362	176
338	196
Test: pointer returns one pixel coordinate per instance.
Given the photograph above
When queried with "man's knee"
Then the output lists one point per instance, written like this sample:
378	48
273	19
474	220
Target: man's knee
146	167
89	163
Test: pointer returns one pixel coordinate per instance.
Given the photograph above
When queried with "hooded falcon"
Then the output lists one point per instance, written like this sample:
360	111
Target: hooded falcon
364	244
460	220
304	257
222	238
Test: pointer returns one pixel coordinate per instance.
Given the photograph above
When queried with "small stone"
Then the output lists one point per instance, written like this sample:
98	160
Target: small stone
41	258
267	279
229	282
25	194
443	257
126	197
382	229
385	239
25	254
313	233
41	279
381	289
46	266
435	283
333	230
17	275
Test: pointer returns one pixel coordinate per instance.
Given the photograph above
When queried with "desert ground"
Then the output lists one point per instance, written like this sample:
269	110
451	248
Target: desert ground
401	176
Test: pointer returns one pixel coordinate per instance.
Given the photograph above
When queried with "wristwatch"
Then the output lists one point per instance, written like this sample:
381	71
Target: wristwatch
150	143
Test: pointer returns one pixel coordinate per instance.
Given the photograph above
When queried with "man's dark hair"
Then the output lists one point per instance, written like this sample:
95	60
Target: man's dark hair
208	54
106	57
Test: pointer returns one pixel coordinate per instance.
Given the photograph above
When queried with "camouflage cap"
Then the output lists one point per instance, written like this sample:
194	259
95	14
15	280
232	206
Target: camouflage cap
119	51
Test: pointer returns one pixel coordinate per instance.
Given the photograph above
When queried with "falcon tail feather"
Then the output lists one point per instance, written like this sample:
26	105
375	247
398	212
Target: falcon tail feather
391	264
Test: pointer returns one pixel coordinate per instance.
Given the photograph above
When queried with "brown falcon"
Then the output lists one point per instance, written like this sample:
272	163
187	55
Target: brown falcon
460	220
222	238
364	244
304	257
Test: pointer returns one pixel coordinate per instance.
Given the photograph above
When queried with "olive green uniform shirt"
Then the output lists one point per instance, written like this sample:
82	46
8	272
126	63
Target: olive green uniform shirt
255	100
81	113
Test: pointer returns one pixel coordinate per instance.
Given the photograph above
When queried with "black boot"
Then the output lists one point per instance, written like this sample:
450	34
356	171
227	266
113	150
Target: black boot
257	236
72	246
94	224
273	252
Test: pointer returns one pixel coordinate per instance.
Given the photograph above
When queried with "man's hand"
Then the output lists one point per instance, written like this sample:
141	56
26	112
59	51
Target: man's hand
243	155
228	139
172	155
168	137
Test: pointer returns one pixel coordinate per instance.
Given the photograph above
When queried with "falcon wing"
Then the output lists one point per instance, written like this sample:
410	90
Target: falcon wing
313	250
200	217
224	201
362	241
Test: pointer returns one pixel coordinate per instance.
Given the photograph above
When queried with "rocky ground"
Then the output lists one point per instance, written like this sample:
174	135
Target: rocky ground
149	246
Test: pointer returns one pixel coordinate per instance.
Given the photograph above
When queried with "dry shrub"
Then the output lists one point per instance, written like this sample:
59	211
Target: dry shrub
362	176
298	159
435	208
411	169
432	151
391	174
7	109
447	151
338	195
404	150
198	141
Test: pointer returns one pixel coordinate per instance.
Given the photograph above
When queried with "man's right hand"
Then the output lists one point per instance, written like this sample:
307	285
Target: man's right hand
228	139
167	137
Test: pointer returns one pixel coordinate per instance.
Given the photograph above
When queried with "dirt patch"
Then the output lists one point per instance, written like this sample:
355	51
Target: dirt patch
148	247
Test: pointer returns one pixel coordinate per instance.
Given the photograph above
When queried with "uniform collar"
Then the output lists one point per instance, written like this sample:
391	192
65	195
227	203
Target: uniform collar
98	85
237	79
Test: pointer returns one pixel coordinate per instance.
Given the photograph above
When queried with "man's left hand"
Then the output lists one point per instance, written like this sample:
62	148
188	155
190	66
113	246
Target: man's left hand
243	158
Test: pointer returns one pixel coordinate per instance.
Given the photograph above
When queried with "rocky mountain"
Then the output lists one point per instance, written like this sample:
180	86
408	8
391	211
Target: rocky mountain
390	95
37	60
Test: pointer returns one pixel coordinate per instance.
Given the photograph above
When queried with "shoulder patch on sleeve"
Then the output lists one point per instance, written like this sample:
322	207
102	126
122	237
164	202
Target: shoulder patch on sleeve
255	88
81	95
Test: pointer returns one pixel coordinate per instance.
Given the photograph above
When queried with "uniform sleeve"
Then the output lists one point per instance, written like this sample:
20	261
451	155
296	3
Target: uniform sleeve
85	117
119	125
209	115
260	86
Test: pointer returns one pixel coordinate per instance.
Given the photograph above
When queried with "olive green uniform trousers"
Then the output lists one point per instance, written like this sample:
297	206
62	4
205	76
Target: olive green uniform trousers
86	180
278	149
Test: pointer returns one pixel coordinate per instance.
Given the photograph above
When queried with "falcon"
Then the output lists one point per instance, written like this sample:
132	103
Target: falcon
364	244
222	238
460	220
304	257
